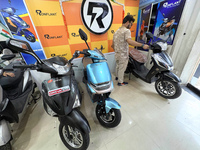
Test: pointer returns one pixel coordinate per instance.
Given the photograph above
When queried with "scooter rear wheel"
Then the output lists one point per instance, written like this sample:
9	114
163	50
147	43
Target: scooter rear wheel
169	89
110	119
73	138
6	147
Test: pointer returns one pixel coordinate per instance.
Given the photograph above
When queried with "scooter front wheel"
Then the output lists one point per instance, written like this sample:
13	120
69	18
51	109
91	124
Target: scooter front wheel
29	36
110	119
7	146
73	138
168	88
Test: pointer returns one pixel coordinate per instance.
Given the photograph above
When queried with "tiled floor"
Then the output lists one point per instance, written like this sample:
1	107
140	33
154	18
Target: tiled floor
149	122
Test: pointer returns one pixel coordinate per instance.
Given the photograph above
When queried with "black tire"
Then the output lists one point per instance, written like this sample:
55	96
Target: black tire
169	90
113	119
6	147
83	138
30	38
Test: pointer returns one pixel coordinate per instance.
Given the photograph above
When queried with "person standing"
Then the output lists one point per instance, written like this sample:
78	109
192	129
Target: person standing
121	41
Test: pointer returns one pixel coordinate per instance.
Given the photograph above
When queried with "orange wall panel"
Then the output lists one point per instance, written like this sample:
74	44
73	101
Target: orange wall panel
79	47
117	14
133	3
72	13
133	30
52	35
110	49
95	38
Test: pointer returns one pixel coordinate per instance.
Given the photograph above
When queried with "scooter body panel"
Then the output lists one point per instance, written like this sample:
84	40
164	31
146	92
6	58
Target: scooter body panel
76	119
171	76
8	112
98	73
59	93
19	22
111	103
5	134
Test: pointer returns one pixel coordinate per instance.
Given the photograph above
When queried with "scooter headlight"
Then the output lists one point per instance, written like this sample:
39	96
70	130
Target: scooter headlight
62	69
162	45
160	61
76	102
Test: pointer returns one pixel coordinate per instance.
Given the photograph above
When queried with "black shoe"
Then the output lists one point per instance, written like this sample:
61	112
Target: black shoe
125	83
116	78
121	84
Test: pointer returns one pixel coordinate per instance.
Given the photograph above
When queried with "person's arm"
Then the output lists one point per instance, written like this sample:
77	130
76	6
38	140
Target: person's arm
134	43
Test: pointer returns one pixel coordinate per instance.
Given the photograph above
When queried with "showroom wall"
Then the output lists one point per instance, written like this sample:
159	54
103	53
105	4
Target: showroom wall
185	50
47	18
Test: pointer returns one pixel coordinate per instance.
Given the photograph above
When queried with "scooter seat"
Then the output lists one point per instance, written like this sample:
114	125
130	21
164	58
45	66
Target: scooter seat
137	55
12	82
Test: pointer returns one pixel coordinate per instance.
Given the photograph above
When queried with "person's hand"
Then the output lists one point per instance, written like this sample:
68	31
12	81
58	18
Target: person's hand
146	46
8	74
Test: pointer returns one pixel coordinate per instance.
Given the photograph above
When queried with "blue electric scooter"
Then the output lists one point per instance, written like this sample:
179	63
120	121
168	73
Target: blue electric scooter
98	81
21	25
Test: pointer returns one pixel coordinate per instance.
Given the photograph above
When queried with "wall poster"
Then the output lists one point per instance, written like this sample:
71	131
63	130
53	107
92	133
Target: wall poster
144	23
167	19
17	20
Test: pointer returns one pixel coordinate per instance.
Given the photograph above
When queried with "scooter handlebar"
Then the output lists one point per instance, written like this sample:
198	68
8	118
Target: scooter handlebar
31	66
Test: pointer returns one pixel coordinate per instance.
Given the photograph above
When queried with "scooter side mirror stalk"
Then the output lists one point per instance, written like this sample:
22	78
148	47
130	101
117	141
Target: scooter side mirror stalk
83	36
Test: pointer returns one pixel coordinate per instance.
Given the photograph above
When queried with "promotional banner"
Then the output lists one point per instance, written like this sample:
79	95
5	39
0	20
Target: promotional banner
167	19
18	21
144	23
60	37
4	31
144	3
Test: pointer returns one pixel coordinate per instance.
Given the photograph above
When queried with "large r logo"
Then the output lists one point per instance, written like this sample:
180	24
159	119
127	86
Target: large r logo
97	15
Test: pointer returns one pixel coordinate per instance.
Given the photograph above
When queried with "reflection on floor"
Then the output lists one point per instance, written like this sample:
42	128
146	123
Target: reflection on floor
148	122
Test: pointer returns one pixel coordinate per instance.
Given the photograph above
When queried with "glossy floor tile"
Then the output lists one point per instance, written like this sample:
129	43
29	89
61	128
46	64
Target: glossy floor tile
149	122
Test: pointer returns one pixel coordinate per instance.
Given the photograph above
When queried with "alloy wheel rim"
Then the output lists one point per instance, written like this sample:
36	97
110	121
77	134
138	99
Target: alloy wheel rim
29	38
75	135
111	114
168	89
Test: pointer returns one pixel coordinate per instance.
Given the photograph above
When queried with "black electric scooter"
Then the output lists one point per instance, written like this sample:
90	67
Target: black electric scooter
167	83
15	97
61	96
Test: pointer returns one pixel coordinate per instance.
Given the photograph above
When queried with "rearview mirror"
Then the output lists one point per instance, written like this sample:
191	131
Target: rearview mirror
22	46
83	35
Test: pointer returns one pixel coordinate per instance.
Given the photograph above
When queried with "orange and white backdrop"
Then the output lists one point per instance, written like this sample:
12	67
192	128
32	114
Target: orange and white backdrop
49	23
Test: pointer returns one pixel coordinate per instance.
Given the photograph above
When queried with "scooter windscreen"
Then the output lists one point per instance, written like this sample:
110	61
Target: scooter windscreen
96	54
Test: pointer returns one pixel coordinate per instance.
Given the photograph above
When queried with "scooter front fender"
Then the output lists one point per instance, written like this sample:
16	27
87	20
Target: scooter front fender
76	119
111	103
5	134
172	76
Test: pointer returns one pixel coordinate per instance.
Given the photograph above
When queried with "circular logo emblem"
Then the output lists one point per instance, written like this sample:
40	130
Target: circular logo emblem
97	15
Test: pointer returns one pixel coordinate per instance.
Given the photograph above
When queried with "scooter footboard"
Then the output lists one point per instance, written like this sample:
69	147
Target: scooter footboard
76	119
111	103
5	134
